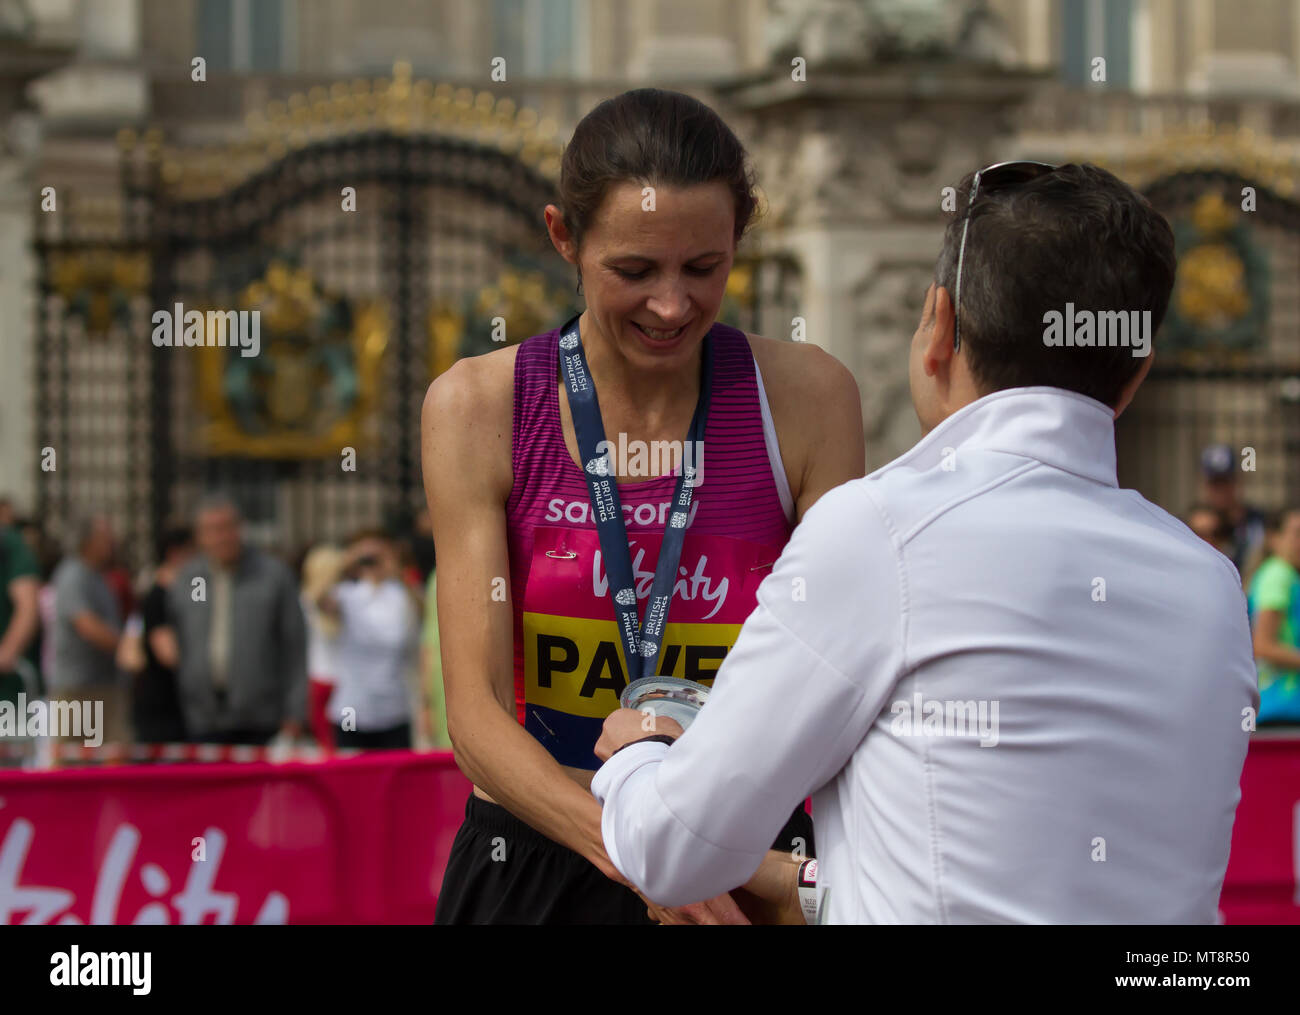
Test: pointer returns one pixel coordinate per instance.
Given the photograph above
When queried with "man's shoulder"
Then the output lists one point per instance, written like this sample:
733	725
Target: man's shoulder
69	569
922	484
268	567
10	539
179	592
193	568
850	507
16	558
1188	542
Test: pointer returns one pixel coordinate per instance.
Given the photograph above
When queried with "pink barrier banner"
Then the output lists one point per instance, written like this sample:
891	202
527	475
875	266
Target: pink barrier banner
347	840
366	840
1263	880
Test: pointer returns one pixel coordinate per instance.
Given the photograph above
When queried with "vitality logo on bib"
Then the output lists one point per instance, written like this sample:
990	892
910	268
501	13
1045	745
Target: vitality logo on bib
574	670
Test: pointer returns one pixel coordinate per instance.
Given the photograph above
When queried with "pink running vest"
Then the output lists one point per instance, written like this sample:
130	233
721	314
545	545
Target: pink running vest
568	657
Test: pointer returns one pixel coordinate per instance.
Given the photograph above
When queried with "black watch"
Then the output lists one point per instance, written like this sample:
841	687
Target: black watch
658	738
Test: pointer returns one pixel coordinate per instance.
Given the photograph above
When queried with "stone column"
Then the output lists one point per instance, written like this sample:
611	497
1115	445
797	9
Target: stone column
106	87
49	42
18	451
854	160
681	40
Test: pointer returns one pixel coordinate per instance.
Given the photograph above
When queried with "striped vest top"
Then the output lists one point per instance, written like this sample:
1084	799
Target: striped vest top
568	657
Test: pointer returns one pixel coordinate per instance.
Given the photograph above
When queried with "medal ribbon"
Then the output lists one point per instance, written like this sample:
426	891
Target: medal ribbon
642	642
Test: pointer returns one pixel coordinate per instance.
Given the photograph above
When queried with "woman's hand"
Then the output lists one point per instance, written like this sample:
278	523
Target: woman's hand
628	724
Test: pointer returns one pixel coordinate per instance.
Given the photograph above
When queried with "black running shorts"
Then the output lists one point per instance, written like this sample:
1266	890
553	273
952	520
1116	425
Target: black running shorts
502	870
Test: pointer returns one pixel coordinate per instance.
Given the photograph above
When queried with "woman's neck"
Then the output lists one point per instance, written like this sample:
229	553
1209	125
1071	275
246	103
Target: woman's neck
654	396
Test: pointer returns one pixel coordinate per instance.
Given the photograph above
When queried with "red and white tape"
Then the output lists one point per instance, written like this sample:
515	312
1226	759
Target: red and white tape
137	753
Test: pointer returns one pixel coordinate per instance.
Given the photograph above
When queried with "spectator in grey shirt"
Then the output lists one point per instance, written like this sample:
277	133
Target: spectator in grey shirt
87	626
238	640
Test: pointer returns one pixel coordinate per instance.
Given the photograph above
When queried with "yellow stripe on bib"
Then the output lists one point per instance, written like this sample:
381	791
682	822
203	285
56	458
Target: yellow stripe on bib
575	665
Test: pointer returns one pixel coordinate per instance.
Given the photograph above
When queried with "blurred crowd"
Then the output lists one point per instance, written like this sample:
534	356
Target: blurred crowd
1265	548
221	642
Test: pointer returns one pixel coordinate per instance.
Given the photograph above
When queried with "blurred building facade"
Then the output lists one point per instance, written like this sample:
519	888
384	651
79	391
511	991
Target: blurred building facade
226	190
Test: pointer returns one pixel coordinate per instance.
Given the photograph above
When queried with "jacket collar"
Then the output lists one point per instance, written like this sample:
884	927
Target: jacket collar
1059	428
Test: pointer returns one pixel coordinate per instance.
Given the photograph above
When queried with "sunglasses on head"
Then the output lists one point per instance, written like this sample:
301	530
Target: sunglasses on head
999	176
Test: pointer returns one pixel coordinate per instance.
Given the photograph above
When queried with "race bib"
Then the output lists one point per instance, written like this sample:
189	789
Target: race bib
574	669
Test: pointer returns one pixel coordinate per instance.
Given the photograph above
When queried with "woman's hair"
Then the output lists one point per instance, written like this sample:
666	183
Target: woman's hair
656	138
321	570
1275	521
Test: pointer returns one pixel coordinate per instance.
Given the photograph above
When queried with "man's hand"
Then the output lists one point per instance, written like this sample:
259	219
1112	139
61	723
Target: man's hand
722	910
628	724
772	894
623	727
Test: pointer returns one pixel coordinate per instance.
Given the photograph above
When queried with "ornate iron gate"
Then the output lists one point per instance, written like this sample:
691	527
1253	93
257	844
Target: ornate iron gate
378	229
1227	367
364	245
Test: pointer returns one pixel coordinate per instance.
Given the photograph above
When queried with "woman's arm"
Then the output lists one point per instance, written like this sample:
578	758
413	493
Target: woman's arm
1268	647
466	435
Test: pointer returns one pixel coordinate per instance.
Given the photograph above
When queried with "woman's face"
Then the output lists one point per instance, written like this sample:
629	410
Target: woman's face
1287	542
663	269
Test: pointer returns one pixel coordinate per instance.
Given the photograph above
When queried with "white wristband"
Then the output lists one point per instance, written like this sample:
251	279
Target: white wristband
807	884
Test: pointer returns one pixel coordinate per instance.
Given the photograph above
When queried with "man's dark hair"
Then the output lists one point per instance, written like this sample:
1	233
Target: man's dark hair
1076	235
174	538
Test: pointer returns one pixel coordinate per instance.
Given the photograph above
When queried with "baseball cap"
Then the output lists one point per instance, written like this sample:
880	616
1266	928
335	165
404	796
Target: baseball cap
1218	462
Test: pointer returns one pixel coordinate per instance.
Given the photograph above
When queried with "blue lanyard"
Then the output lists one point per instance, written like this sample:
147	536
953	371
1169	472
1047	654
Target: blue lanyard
642	642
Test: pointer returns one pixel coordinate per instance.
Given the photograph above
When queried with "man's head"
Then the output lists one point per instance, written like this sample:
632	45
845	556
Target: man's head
1074	239
1219	478
6	512
95	544
1207	523
216	529
376	556
175	545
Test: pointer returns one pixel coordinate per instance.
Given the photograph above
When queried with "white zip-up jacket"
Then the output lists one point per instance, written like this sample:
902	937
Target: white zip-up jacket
1016	693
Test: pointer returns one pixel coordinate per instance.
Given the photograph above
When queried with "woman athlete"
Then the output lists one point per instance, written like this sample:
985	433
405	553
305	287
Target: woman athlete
654	196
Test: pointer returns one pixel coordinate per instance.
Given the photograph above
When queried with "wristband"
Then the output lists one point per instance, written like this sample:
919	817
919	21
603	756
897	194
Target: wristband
658	738
806	880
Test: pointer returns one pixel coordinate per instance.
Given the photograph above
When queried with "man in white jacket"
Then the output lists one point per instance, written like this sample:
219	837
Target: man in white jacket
1015	692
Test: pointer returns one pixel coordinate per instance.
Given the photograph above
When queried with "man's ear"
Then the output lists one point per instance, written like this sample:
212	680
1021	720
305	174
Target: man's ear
939	346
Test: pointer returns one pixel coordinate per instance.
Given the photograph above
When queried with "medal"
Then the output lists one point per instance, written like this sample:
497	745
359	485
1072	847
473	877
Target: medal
672	697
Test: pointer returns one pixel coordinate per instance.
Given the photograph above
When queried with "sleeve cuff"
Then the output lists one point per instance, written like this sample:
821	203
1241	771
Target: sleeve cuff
623	764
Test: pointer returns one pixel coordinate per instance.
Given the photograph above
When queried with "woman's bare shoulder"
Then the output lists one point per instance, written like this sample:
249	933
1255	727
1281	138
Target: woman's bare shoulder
817	410
469	412
476	390
794	371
